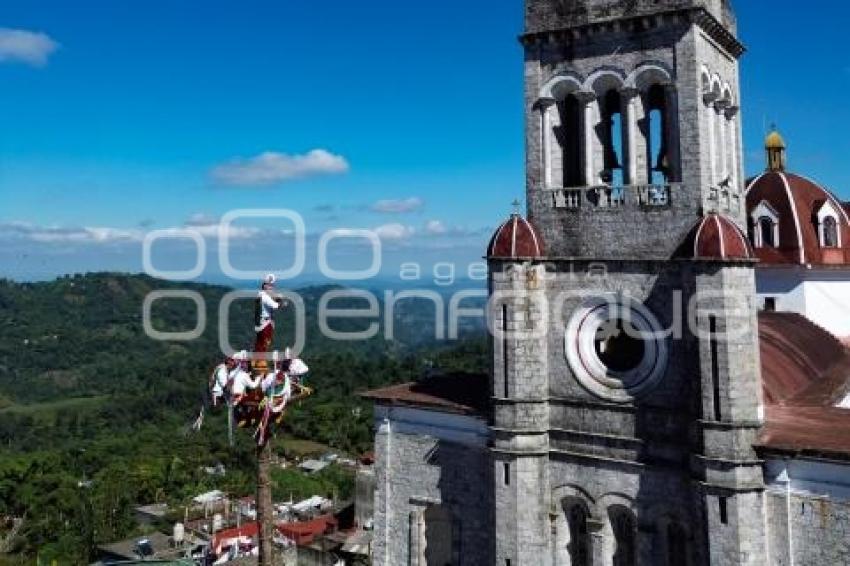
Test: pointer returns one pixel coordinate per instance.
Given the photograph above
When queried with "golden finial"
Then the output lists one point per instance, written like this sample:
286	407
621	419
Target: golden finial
775	147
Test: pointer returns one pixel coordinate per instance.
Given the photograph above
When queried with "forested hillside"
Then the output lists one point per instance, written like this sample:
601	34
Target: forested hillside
94	414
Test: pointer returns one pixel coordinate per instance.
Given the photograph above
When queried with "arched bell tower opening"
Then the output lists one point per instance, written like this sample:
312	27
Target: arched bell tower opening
658	124
569	138
611	138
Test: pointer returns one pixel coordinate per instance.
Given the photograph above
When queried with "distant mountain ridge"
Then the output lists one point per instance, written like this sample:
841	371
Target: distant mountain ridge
82	335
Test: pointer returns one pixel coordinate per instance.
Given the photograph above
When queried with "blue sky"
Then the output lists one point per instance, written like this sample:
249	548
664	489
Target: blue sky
146	115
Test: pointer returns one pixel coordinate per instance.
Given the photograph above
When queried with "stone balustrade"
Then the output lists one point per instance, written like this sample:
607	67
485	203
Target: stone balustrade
604	196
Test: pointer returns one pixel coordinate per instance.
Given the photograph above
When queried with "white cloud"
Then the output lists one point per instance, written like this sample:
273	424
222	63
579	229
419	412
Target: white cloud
202	219
391	206
271	167
105	235
435	228
394	232
439	228
22	46
63	234
212	231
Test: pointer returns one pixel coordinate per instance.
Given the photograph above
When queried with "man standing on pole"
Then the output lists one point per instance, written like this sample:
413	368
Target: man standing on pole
264	309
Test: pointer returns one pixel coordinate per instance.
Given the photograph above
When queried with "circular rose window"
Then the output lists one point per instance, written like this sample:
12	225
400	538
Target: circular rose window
616	348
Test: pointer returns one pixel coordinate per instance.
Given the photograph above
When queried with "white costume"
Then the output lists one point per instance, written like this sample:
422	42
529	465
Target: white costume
269	381
297	367
267	307
242	382
219	381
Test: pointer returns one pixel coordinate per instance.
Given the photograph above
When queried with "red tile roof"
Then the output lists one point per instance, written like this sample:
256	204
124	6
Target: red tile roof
796	200
805	373
301	533
808	431
516	238
795	353
455	393
248	530
715	237
306	531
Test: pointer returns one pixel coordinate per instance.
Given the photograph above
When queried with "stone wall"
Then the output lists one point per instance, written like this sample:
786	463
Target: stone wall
426	459
556	14
655	497
807	504
820	529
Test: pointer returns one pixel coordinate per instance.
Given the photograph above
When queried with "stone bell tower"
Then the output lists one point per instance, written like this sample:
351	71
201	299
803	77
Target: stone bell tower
623	433
630	105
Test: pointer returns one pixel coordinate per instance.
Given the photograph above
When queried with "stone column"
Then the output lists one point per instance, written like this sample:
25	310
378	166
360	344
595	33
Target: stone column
671	132
721	142
628	99
722	138
554	532
734	154
591	105
710	115
598	544
385	541
546	105
717	135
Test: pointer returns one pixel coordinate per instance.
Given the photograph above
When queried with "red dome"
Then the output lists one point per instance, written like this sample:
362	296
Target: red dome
800	207
716	237
516	238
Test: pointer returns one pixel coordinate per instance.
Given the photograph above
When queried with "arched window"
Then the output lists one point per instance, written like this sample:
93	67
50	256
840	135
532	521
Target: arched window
767	232
624	528
569	136
612	136
830	232
656	143
579	547
677	545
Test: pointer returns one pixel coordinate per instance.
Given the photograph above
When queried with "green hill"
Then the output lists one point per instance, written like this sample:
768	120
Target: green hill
94	414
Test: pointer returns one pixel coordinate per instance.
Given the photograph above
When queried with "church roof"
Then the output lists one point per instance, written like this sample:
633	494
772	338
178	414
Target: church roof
796	202
516	238
796	354
715	237
805	374
459	393
812	431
